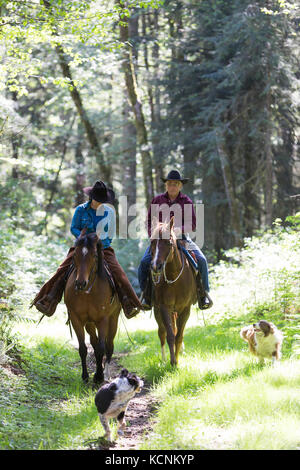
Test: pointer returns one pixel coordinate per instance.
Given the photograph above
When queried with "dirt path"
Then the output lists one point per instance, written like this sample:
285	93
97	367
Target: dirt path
139	412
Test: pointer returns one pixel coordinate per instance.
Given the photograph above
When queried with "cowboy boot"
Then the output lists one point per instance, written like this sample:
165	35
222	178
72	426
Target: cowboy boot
204	299
47	304
130	310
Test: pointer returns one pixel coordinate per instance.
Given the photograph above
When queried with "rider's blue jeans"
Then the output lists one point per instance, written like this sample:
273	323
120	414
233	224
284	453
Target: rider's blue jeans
144	267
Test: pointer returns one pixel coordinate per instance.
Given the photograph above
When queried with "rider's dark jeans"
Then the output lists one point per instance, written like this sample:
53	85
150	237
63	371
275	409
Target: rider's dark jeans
144	267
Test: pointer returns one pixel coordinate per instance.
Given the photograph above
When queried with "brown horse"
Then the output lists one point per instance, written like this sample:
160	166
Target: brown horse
91	304
174	288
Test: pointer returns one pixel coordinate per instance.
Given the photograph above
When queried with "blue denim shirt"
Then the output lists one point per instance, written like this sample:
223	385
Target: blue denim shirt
86	217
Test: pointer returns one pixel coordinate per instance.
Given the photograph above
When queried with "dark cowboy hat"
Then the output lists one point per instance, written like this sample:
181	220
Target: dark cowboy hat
99	192
175	175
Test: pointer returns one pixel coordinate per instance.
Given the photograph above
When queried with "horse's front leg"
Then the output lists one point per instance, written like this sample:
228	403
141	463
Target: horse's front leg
167	321
102	326
79	330
181	322
109	342
161	332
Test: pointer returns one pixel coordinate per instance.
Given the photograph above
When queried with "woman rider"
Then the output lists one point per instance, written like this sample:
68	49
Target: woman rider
173	195
87	216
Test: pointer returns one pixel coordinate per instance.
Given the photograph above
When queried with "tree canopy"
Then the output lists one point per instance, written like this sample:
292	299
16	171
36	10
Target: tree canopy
124	91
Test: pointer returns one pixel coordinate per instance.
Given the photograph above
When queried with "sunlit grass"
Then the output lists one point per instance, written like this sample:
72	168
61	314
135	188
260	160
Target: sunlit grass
218	397
252	411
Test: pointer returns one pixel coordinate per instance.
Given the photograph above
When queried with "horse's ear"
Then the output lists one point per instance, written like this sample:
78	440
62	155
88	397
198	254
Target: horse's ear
95	237
83	232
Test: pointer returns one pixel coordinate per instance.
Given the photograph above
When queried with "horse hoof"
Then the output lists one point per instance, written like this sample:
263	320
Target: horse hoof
98	380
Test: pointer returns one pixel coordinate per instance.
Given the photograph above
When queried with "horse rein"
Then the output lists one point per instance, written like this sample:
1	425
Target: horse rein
89	288
168	281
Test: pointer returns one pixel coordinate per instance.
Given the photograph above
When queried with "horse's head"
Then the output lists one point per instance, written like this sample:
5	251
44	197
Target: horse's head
87	247
163	244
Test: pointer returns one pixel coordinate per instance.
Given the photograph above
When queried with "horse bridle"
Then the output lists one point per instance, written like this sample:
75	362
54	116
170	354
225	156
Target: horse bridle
88	288
158	275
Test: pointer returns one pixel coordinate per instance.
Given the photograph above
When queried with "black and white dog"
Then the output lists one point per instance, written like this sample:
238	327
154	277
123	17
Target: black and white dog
112	400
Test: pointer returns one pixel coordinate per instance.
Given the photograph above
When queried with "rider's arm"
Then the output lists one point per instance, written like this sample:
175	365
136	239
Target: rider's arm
75	224
189	219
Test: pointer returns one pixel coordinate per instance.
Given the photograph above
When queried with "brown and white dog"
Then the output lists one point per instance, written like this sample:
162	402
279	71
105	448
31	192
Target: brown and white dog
112	400
264	340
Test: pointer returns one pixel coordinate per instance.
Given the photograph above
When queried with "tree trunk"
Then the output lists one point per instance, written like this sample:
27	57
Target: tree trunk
90	131
129	155
283	171
131	86
55	182
231	197
154	98
268	168
76	97
79	165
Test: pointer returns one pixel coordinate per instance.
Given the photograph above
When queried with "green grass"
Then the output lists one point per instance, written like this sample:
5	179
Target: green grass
244	409
47	407
219	397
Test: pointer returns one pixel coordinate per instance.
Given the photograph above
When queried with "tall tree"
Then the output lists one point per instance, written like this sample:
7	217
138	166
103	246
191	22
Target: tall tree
104	167
136	104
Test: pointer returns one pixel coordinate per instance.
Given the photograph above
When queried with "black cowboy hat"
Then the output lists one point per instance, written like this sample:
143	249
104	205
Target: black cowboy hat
99	192
175	175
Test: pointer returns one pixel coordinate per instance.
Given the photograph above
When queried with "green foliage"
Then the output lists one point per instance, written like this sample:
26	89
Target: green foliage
46	406
216	395
213	400
26	261
129	253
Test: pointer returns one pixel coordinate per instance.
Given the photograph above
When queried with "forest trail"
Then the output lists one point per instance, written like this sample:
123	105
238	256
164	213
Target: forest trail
139	412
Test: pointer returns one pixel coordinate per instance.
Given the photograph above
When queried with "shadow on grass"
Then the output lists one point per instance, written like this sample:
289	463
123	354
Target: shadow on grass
52	407
58	412
210	341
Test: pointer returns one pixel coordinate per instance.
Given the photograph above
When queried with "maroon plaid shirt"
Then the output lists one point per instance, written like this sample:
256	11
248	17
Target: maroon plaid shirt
187	221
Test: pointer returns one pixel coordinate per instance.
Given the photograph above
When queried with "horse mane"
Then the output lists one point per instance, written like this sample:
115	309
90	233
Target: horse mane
160	228
88	241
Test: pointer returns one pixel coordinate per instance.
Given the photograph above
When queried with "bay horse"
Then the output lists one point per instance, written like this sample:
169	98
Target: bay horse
174	288
91	304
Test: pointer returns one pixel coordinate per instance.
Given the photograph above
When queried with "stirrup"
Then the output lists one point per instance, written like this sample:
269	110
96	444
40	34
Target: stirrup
205	302
132	313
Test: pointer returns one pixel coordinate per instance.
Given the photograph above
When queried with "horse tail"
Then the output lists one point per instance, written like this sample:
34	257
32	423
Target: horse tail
100	267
